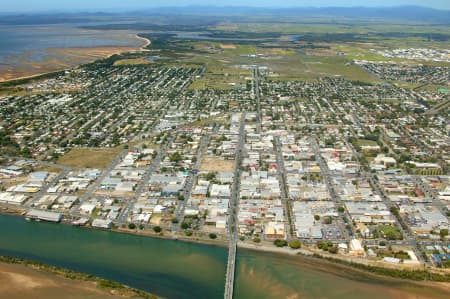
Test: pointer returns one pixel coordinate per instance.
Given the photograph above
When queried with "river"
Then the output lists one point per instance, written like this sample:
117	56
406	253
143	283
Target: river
175	269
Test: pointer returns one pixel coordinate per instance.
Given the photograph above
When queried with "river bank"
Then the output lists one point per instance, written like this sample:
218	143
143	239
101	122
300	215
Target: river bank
165	235
21	278
295	279
415	273
410	272
185	270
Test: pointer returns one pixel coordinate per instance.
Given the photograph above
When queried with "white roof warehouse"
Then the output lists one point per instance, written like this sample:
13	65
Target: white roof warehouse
44	215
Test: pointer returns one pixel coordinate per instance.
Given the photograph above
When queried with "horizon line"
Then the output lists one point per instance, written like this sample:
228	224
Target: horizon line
265	7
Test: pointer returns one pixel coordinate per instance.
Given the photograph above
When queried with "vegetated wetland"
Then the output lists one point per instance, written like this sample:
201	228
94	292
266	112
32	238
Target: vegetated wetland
175	269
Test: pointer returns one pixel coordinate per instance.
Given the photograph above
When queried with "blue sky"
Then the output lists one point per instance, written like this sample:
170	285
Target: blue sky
108	5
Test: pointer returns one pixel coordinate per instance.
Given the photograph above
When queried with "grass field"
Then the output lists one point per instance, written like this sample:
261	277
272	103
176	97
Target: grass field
132	61
224	62
214	164
221	72
310	68
222	119
48	168
390	232
365	142
326	50
89	157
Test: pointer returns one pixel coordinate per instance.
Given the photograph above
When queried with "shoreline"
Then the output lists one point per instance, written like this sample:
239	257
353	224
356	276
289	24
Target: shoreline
37	75
348	270
148	42
124	291
383	270
111	287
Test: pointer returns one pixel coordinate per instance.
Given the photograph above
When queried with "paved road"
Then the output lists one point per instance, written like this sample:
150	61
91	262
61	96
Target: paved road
257	95
179	214
409	238
94	186
144	182
45	188
328	181
232	211
288	226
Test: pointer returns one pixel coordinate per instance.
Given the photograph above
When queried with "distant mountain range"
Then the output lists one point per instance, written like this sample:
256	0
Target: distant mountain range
403	13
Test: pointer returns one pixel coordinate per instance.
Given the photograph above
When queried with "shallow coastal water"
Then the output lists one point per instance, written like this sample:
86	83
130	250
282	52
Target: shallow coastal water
31	49
175	269
16	39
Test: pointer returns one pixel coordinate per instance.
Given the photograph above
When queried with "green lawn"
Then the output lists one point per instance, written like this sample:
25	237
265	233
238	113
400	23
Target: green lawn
390	232
365	142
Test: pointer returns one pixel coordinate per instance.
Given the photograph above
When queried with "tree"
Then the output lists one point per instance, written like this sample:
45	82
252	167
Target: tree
316	217
176	157
212	236
443	233
174	220
328	220
141	226
295	244
404	157
333	249
157	229
280	243
394	210
131	226
394	235
371	137
210	176
26	153
324	246
341	209
184	225
188	233
256	239
320	244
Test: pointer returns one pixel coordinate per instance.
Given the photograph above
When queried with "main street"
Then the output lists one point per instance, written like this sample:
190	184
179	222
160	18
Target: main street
233	212
281	172
330	185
